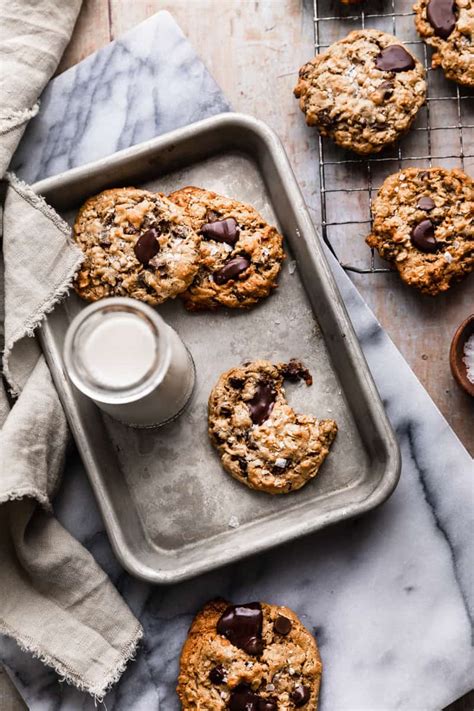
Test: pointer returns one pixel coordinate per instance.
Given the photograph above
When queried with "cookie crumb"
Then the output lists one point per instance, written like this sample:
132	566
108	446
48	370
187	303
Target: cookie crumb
295	370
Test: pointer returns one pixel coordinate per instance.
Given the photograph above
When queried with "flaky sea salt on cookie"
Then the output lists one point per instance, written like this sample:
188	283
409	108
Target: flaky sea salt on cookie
423	222
240	253
363	92
136	243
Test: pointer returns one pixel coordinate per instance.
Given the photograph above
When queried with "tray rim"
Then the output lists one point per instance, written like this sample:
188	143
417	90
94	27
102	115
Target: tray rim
391	475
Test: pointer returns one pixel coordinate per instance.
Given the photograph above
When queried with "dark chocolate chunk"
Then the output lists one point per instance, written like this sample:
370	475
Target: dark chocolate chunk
324	119
147	246
282	625
221	231
231	269
387	88
242	625
422	236
243	698
261	404
300	696
237	383
142	282
440	14
295	370
243	464
426	203
394	58
217	674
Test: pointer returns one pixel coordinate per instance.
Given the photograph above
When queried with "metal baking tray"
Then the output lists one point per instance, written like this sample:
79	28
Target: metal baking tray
170	509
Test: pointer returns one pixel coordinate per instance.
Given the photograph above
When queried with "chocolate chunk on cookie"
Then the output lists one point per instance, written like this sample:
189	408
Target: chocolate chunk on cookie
137	244
423	223
242	625
363	92
448	27
262	441
216	673
240	253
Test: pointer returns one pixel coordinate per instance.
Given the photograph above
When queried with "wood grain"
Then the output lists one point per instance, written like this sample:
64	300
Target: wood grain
254	49
91	32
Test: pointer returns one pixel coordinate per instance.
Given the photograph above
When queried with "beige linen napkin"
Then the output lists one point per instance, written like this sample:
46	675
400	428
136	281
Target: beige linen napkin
55	601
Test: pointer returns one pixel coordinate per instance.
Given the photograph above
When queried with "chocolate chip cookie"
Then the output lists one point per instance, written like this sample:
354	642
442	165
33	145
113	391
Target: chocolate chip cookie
448	27
137	244
262	441
240	253
250	657
363	92
423	223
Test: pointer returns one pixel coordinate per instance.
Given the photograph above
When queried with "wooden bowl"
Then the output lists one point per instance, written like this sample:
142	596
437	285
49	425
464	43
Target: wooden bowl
456	354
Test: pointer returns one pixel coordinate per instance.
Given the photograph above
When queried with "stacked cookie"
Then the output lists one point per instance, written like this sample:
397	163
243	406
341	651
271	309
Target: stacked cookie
209	249
240	255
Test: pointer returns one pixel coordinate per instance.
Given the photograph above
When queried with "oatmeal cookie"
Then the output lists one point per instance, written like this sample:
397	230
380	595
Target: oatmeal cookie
363	92
137	244
448	27
262	441
240	254
423	224
250	657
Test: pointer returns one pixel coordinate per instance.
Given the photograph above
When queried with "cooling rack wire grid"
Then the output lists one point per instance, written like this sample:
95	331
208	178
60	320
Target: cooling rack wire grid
441	135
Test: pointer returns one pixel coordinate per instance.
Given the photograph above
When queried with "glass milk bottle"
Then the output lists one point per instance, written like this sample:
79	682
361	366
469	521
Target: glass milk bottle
121	354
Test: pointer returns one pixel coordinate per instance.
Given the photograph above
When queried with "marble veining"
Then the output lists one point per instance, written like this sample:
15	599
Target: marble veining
146	83
389	595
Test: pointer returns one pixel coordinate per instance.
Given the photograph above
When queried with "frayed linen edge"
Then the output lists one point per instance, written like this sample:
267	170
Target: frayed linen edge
127	653
15	119
36	319
27	492
38	202
58	293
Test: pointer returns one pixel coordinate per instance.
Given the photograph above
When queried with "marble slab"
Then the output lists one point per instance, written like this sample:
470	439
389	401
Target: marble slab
390	596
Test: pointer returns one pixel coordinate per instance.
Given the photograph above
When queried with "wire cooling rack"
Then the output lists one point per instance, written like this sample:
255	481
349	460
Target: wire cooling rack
443	133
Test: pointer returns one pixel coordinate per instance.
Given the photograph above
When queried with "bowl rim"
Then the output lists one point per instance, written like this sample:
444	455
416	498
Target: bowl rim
458	369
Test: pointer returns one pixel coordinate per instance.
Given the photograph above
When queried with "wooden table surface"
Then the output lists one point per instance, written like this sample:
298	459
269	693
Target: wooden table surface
254	49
